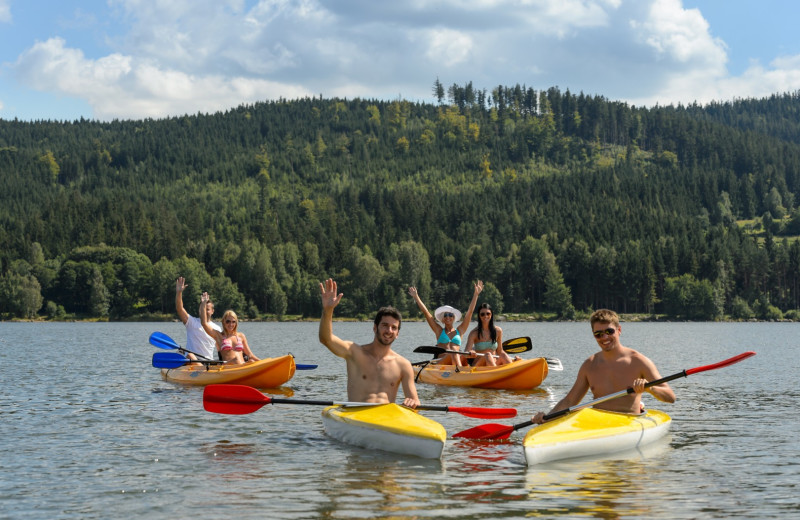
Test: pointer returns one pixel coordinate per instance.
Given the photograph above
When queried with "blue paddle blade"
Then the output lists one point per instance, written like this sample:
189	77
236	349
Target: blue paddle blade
169	360
161	340
305	367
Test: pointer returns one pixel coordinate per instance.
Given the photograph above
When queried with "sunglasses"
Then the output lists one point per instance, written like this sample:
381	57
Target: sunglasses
486	314
608	332
448	315
231	321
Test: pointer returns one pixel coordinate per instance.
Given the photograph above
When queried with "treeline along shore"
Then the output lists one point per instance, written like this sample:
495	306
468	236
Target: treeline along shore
560	203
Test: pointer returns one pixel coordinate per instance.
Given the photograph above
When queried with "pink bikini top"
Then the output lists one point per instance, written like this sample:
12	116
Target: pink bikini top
228	345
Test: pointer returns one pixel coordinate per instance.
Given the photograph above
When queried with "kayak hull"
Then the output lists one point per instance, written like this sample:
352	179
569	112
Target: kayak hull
266	373
387	427
590	433
523	374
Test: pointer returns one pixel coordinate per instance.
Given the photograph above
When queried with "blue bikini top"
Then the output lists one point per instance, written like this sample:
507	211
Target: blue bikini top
444	338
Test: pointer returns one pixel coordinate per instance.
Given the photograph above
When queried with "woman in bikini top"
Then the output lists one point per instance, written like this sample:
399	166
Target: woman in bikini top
447	334
231	343
487	339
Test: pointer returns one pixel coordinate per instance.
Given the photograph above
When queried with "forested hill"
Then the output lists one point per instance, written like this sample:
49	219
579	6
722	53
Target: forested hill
558	202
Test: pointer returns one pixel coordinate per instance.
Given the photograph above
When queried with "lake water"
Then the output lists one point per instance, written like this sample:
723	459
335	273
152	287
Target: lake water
90	430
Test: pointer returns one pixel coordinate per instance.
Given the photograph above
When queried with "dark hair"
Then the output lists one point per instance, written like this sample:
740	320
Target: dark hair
492	330
389	311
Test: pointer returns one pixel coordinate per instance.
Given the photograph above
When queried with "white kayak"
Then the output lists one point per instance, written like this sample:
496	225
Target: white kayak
590	432
386	427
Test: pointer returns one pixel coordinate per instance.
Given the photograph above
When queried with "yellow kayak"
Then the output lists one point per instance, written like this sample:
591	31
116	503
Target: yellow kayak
591	432
387	427
523	374
267	373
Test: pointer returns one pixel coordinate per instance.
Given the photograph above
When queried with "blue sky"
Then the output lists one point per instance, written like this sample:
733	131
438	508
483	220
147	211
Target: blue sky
134	59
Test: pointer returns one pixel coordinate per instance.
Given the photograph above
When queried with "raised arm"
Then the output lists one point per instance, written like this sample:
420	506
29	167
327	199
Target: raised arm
462	328
204	319
179	287
330	299
424	310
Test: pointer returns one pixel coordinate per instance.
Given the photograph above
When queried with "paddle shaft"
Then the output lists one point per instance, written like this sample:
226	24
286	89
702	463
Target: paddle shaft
240	399
565	411
161	340
502	431
682	373
430	407
175	360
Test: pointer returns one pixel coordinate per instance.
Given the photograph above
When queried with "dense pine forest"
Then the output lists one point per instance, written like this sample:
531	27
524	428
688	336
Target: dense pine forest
560	203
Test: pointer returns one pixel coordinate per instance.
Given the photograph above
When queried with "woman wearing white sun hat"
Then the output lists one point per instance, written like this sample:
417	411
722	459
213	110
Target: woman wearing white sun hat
448	336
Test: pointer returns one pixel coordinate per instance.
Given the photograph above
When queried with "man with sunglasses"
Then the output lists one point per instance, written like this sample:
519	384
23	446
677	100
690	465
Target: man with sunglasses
614	368
374	371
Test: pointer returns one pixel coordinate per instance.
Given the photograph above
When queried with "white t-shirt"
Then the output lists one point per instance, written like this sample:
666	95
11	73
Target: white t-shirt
198	341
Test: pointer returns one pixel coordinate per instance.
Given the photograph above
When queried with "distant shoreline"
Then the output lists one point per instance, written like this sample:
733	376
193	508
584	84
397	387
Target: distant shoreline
508	318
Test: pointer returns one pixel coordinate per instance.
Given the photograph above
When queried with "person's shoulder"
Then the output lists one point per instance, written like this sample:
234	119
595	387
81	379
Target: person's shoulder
638	356
591	360
399	358
631	352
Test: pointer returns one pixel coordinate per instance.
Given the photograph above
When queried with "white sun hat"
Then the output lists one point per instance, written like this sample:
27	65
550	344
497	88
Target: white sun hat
446	308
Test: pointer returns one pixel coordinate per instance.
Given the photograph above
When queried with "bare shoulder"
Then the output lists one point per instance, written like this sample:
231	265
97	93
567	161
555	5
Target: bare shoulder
400	359
636	356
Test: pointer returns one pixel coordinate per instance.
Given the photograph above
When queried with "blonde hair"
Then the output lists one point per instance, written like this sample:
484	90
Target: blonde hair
230	313
604	316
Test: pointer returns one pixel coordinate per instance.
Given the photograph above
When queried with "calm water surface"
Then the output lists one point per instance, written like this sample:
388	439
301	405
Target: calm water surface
90	430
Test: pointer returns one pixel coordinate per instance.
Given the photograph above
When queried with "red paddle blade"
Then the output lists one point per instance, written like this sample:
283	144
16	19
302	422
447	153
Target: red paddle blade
484	413
486	432
233	399
729	361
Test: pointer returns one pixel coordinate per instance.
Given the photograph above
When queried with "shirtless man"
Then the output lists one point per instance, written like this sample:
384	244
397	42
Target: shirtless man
374	370
612	369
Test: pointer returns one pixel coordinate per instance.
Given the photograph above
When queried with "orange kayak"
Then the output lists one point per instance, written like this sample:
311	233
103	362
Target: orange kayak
267	373
523	374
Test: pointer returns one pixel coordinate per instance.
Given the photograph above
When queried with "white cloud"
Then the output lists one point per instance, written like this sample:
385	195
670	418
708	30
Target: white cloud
447	46
681	35
5	11
118	86
185	56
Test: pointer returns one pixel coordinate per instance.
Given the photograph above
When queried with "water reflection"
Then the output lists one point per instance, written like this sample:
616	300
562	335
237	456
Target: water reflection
609	488
371	485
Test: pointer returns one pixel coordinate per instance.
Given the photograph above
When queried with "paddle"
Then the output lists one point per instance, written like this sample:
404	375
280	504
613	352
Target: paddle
518	345
161	340
512	346
240	399
501	431
524	344
175	360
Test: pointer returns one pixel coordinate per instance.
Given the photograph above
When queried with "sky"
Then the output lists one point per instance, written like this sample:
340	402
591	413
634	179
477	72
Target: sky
137	59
